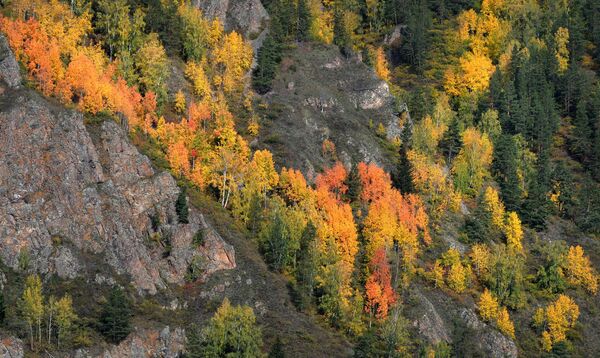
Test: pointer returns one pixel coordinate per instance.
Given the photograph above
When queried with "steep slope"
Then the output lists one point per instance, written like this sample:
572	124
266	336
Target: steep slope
317	95
68	193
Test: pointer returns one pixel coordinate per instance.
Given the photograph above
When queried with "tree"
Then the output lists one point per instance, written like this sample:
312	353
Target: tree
114	21
333	180
194	30
513	232
378	288
232	332
306	270
579	270
560	317
471	166
488	306
116	313
194	71
193	342
381	65
181	207
152	64
33	306
263	171
65	317
276	242
504	323
179	102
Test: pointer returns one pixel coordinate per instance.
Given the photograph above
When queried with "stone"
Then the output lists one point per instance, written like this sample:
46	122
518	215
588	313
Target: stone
11	347
150	343
9	68
248	17
69	192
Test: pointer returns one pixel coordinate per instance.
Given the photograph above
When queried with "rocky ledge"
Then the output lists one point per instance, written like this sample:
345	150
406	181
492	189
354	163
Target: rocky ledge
79	201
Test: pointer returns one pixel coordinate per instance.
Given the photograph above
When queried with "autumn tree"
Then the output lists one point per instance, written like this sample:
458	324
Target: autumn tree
558	318
379	292
513	232
194	72
505	325
232	331
152	64
333	180
471	165
65	317
579	270
33	306
488	306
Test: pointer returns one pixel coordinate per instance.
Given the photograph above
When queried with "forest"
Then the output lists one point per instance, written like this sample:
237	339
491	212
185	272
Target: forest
500	144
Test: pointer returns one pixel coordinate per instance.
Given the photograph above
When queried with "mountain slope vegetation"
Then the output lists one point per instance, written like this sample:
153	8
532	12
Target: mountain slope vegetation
419	177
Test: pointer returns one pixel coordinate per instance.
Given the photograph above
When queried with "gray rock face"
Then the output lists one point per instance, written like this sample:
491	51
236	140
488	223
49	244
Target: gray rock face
490	341
11	347
246	16
333	98
165	343
9	68
70	195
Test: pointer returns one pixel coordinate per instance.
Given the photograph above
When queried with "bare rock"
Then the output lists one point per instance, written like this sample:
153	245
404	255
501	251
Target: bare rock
68	192
430	324
165	343
11	347
9	68
246	16
490	341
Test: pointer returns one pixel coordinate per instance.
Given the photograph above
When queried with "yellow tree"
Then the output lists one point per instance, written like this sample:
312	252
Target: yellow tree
180	105
471	165
505	325
194	72
513	232
231	60
262	169
579	270
481	259
560	316
488	306
65	317
381	65
561	38
33	306
457	277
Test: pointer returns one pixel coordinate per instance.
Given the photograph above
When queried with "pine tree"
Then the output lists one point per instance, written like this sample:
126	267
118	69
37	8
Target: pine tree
193	343
181	207
115	317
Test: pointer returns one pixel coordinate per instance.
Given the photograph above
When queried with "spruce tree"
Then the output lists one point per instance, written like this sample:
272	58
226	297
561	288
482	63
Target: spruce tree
181	207
115	317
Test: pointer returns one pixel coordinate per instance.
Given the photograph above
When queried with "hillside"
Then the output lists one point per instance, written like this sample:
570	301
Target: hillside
299	178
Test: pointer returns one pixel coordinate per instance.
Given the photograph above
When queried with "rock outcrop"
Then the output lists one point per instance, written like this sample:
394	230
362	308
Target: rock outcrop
319	94
165	343
9	68
248	17
11	347
435	318
76	200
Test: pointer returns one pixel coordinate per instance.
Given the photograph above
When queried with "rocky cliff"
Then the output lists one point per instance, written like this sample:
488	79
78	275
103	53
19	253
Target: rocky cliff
246	16
319	94
82	201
